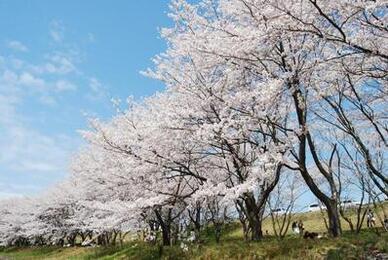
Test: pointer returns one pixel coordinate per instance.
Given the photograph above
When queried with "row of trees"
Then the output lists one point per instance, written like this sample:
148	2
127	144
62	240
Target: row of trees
256	91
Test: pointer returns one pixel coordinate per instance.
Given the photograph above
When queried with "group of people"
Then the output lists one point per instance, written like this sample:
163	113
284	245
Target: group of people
298	227
371	220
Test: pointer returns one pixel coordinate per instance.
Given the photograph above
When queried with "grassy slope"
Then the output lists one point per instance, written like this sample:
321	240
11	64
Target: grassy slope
232	246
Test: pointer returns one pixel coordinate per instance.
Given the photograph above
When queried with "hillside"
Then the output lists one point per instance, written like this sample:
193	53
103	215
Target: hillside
368	243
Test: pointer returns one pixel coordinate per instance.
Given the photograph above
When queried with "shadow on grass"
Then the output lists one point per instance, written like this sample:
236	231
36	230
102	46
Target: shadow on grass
30	251
349	246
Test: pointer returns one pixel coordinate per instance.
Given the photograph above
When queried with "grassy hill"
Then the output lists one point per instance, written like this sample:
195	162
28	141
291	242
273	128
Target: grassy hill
232	246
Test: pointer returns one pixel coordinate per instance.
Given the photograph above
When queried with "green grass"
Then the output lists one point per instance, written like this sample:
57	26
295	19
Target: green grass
347	247
232	246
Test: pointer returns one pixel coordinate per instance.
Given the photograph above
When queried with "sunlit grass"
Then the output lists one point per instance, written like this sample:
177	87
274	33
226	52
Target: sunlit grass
232	246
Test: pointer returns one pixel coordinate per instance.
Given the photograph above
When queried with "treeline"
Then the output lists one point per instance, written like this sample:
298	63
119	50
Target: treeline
263	99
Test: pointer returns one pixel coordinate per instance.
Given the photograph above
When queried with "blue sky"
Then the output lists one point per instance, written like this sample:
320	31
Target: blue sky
61	61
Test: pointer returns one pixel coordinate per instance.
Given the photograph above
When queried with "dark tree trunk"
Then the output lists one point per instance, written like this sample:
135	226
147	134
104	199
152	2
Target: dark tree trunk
245	229
166	236
304	139
83	236
114	237
254	210
197	222
165	224
330	204
347	219
257	232
334	219
254	220
71	239
217	232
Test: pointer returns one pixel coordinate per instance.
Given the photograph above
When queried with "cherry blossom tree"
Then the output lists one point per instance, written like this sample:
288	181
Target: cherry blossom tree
291	57
255	90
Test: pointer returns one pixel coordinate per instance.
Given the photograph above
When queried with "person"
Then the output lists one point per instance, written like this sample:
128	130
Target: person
295	228
386	223
293	225
311	235
300	227
370	219
192	236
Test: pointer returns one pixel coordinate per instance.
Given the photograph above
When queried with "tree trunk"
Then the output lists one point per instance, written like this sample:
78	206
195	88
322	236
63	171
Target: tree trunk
114	237
245	229
257	232
253	217
166	236
347	219
165	224
71	239
217	232
83	236
197	222
304	138
254	210
334	219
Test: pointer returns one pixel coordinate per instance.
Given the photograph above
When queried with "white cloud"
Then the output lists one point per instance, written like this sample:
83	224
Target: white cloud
57	64
2	61
17	46
13	83
7	109
48	100
64	64
64	85
95	85
91	37
33	166
16	63
9	77
28	151
57	31
16	190
29	80
97	90
40	80
8	195
28	145
25	149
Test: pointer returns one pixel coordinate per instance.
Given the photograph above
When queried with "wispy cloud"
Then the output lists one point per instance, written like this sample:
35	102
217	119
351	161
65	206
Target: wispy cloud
91	37
16	190
43	79
56	63
17	46
64	85
57	31
30	142
26	149
48	100
29	80
97	89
